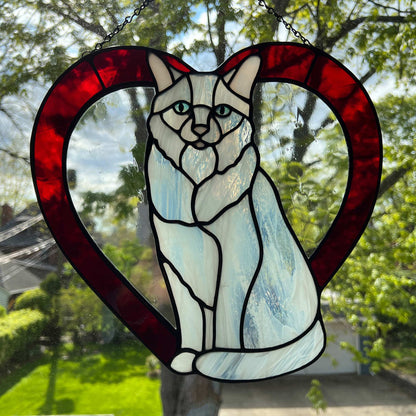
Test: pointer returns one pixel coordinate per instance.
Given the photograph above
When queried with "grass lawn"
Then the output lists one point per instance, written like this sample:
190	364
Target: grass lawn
108	380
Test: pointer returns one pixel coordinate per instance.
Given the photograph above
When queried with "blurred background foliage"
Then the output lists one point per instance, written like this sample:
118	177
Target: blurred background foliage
301	141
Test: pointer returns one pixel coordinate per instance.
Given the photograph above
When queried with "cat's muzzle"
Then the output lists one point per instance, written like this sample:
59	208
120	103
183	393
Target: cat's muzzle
200	144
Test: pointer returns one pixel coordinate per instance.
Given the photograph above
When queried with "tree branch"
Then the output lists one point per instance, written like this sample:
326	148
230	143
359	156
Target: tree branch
113	17
395	9
12	120
220	26
281	5
349	25
391	179
295	11
211	40
14	155
71	16
137	116
367	75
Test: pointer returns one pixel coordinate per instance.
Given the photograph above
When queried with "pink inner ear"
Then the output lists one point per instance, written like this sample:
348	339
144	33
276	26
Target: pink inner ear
160	72
117	68
243	79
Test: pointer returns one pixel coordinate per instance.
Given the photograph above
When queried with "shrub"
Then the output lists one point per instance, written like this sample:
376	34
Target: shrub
153	366
3	311
19	330
81	314
35	299
52	284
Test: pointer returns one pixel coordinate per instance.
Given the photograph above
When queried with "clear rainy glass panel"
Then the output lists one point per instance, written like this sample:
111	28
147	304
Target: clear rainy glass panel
105	157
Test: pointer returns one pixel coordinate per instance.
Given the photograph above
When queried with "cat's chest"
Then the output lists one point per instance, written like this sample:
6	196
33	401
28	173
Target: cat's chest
176	198
169	189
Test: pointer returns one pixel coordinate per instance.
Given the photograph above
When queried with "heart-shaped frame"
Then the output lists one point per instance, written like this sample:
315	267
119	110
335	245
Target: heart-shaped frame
105	71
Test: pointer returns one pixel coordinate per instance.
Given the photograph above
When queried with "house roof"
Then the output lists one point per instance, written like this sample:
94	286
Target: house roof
25	229
25	244
15	278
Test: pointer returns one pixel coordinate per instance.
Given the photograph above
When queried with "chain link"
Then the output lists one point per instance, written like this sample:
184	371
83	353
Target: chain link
127	20
137	11
287	25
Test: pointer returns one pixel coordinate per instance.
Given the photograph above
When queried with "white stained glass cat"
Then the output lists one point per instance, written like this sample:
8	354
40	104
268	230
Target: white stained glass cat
246	303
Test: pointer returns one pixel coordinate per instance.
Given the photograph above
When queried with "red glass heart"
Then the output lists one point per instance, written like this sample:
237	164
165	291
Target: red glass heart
108	70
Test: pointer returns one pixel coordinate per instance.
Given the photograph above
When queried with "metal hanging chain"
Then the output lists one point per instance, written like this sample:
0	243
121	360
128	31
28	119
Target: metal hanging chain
127	20
137	11
287	25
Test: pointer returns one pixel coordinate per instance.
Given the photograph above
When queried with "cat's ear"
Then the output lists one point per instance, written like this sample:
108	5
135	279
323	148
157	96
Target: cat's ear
241	81
164	74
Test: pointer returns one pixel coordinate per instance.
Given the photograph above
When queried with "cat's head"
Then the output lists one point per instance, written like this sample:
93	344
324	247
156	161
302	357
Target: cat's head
203	113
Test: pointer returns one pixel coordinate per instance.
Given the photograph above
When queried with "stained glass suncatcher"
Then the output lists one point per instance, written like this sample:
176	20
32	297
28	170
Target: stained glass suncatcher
245	295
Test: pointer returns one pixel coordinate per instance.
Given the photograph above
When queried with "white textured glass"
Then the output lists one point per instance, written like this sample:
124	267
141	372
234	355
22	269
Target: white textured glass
171	191
224	189
173	148
240	249
200	162
283	302
259	365
194	255
190	318
229	150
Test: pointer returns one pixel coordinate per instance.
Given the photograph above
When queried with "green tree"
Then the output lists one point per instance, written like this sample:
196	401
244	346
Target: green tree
46	300
82	314
52	287
81	311
376	288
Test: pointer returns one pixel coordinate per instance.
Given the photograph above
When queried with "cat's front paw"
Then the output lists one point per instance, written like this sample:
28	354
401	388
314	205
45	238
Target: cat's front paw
183	362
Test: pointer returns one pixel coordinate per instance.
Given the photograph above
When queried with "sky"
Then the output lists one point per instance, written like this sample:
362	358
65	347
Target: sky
99	147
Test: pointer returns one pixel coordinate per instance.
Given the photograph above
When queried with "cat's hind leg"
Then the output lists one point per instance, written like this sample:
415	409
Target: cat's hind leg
257	365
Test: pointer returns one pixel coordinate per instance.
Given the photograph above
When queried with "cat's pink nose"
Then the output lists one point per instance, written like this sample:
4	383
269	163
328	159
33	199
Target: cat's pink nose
200	129
200	120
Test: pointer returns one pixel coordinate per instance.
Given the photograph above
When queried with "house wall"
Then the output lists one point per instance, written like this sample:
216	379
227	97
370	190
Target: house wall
337	330
4	298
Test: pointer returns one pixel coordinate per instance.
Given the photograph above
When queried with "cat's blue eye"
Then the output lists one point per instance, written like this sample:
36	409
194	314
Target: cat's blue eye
222	110
181	107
